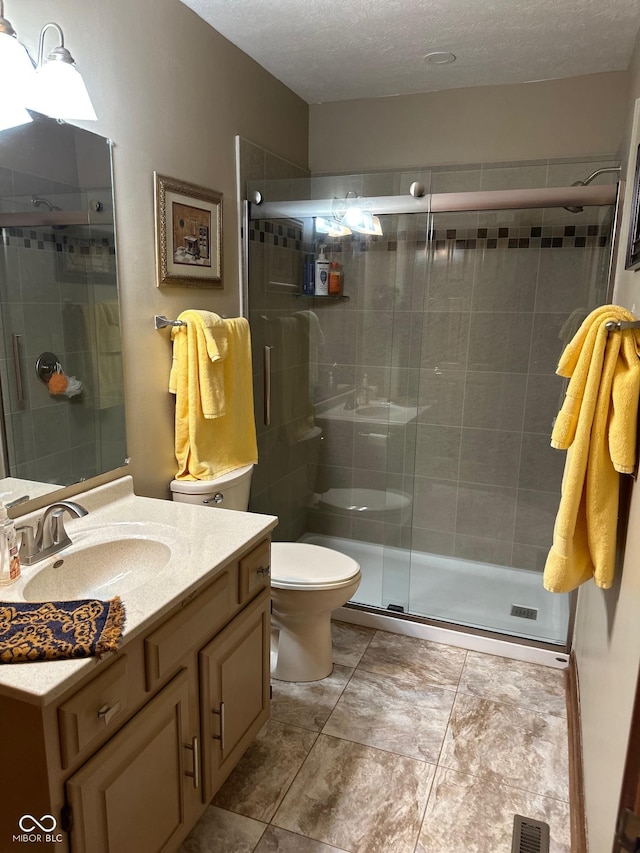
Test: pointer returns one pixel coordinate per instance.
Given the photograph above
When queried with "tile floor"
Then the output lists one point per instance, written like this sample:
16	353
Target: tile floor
408	747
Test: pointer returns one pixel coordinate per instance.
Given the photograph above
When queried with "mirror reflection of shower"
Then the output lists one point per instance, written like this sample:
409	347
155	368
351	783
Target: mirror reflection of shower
39	201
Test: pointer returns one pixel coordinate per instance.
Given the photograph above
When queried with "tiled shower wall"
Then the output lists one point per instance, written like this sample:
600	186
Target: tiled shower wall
467	326
50	282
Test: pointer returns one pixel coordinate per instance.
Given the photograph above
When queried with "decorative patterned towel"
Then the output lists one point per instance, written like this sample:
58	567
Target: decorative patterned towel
54	630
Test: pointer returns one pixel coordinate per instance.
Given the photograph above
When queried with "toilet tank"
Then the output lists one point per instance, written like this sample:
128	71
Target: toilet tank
230	491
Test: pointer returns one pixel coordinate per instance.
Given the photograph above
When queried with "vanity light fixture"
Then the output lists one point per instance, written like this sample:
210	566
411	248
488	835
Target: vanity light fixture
331	227
52	86
352	213
362	221
59	90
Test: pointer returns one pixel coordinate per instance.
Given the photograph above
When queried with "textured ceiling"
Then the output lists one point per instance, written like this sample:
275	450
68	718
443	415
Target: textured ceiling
341	49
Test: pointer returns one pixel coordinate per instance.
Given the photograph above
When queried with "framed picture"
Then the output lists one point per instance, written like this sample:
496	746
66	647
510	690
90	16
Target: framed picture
633	244
188	234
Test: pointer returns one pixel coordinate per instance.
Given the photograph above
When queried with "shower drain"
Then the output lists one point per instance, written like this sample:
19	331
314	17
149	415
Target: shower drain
529	836
524	612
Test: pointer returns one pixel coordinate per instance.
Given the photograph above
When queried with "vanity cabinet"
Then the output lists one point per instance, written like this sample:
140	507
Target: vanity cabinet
135	794
129	758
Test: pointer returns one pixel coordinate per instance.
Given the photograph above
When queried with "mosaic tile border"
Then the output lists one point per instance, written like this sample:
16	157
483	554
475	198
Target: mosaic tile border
517	237
29	238
287	235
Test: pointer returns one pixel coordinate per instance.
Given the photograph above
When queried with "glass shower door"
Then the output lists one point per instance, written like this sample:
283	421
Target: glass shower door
505	292
411	416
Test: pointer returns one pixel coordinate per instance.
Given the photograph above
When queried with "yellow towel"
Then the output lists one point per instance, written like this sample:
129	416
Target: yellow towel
207	447
597	425
293	408
109	354
199	349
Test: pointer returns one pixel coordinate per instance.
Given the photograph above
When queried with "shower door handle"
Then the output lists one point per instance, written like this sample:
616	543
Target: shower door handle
267	385
15	342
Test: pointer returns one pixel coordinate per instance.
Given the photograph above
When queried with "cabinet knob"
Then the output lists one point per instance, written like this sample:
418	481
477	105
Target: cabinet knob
265	571
108	712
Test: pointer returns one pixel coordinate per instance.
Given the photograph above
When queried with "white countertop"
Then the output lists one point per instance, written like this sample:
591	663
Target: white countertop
207	540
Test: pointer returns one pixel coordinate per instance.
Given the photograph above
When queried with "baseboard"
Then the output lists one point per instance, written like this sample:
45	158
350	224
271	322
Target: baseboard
576	777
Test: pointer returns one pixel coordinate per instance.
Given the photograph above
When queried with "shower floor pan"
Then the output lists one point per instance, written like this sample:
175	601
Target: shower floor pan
450	589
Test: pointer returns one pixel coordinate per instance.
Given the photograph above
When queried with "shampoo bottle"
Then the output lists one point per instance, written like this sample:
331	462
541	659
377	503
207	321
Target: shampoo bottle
322	274
9	555
308	287
335	279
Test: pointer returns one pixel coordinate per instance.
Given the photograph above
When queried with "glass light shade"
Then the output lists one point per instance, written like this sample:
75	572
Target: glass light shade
58	91
15	67
331	227
12	114
362	221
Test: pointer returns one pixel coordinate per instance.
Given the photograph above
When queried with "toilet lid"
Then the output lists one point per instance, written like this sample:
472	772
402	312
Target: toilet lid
298	565
205	487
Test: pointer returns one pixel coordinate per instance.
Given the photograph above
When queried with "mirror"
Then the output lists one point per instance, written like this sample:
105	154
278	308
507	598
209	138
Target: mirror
61	359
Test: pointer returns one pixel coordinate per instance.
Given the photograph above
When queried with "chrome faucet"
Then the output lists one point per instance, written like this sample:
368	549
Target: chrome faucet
350	402
49	536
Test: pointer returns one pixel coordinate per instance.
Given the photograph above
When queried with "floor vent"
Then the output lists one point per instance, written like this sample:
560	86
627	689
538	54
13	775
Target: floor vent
529	836
524	612
397	608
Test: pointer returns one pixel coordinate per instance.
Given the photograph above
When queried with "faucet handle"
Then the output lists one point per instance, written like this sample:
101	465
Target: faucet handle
59	535
51	530
28	546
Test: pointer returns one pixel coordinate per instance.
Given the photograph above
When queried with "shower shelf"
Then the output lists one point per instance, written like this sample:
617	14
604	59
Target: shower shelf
333	296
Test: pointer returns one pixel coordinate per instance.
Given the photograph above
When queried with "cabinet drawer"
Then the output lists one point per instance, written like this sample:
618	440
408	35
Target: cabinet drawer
192	626
94	710
254	571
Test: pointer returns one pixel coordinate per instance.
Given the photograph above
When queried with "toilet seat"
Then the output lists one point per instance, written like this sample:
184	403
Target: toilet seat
366	501
298	565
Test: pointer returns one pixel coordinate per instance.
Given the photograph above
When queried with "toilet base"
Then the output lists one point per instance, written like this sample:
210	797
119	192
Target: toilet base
301	639
302	652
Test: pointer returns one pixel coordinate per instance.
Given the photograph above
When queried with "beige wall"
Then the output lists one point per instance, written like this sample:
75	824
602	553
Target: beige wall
555	118
607	634
172	94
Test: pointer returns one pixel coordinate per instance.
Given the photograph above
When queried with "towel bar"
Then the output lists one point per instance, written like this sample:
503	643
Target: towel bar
160	321
616	326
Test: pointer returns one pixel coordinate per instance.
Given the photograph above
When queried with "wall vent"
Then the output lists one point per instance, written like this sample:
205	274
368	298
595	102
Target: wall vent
524	612
529	836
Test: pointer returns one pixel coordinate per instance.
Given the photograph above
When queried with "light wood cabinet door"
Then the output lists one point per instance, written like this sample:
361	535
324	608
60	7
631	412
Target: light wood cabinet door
234	691
138	793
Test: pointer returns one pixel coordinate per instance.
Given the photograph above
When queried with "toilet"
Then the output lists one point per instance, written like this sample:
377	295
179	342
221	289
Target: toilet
308	582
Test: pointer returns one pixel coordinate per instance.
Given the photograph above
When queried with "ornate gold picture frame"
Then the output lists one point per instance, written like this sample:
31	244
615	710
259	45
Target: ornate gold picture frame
188	234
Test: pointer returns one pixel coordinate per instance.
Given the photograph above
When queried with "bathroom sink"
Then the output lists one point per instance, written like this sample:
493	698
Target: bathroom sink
104	562
387	411
378	411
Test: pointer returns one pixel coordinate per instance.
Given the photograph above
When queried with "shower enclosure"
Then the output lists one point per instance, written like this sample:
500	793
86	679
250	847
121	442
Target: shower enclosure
406	422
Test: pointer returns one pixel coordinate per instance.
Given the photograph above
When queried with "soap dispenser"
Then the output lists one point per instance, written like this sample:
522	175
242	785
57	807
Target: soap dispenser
9	554
322	273
362	393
